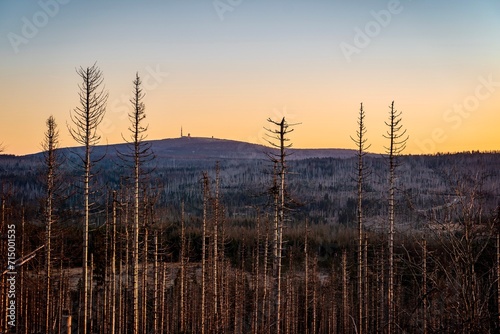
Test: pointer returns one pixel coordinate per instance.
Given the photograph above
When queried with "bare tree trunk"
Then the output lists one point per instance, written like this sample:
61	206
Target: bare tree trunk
135	251
139	153
361	146
315	295
144	279
183	271
345	304
91	282
365	278
380	286
106	300
203	253
498	275
3	263
424	284
155	281
86	119
279	192
163	328
126	306
60	306
265	298
113	268
50	144
256	257
306	278
397	145
215	249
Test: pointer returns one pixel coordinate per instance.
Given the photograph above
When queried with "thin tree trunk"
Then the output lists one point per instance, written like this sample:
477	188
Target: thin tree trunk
215	250
183	271
397	145
498	276
255	323
144	274
85	273
135	251
306	265
90	292
203	253
265	298
361	147
345	305
113	269
155	282
86	119
315	295
365	283
424	284
50	145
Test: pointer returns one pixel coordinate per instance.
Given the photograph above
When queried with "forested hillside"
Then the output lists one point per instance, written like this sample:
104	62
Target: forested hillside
207	210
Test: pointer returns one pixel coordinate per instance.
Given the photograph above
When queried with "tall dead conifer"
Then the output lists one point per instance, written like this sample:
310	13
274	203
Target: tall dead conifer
85	119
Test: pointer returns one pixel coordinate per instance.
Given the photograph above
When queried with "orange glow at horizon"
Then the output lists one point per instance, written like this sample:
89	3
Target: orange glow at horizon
224	78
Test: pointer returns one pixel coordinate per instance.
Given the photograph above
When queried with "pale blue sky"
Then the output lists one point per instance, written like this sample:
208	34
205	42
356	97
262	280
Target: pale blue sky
265	58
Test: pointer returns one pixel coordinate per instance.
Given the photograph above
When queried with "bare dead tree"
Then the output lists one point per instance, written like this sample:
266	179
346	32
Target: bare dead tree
306	278
206	194
397	143
497	225
464	238
138	154
424	285
345	293
113	266
49	145
278	138
183	272
215	248
361	147
85	120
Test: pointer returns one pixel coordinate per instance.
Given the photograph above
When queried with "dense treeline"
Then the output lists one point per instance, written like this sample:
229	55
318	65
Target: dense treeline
130	243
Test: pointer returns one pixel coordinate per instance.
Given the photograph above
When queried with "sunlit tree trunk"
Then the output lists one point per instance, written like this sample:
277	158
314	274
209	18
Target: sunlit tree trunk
86	118
183	271
215	250
112	307
424	285
50	145
361	147
144	278
397	141
279	140
306	279
203	253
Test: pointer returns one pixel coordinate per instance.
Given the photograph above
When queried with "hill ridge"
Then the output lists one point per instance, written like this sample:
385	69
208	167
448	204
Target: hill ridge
188	147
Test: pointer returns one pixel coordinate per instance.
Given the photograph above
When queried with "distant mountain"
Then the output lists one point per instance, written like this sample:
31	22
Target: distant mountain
201	148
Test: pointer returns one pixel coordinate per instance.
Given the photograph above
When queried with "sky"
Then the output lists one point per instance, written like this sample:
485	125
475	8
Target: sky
221	68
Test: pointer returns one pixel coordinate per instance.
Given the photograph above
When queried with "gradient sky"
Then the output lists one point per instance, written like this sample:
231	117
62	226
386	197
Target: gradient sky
221	68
